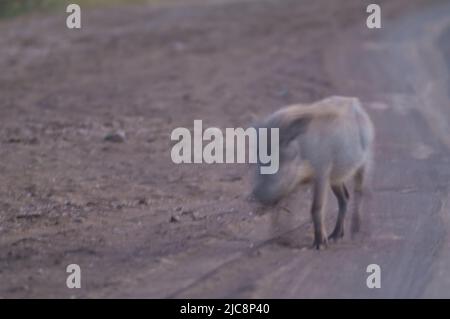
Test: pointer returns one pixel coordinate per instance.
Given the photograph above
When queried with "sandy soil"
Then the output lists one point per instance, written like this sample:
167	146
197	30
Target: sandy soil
86	173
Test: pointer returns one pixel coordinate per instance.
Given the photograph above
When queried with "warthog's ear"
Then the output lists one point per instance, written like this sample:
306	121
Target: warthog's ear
294	128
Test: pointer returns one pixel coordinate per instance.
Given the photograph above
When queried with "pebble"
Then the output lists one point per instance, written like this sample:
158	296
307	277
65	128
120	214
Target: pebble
116	137
174	219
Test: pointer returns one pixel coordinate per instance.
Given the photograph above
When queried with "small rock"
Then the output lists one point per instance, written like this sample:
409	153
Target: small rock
27	216
174	219
14	140
196	216
117	205
142	201
117	137
187	212
231	178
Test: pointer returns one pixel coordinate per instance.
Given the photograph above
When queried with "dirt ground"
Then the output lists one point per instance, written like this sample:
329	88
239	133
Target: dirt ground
86	173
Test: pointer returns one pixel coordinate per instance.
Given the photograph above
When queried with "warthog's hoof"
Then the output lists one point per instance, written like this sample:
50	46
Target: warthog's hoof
355	225
320	243
336	235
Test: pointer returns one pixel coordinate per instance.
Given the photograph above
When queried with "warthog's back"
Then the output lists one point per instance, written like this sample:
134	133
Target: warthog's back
338	138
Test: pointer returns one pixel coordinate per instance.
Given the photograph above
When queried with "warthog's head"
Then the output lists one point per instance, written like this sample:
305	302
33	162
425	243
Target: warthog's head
270	188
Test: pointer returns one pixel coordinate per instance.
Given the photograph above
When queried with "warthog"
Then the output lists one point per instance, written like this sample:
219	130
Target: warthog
325	143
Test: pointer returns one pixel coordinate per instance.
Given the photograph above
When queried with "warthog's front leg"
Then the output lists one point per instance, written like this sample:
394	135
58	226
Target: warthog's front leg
318	205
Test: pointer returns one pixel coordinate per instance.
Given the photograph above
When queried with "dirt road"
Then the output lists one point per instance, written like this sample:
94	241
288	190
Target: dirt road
86	174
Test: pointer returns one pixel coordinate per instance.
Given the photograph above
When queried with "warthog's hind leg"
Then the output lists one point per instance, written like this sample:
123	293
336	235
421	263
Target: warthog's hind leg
359	187
342	195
